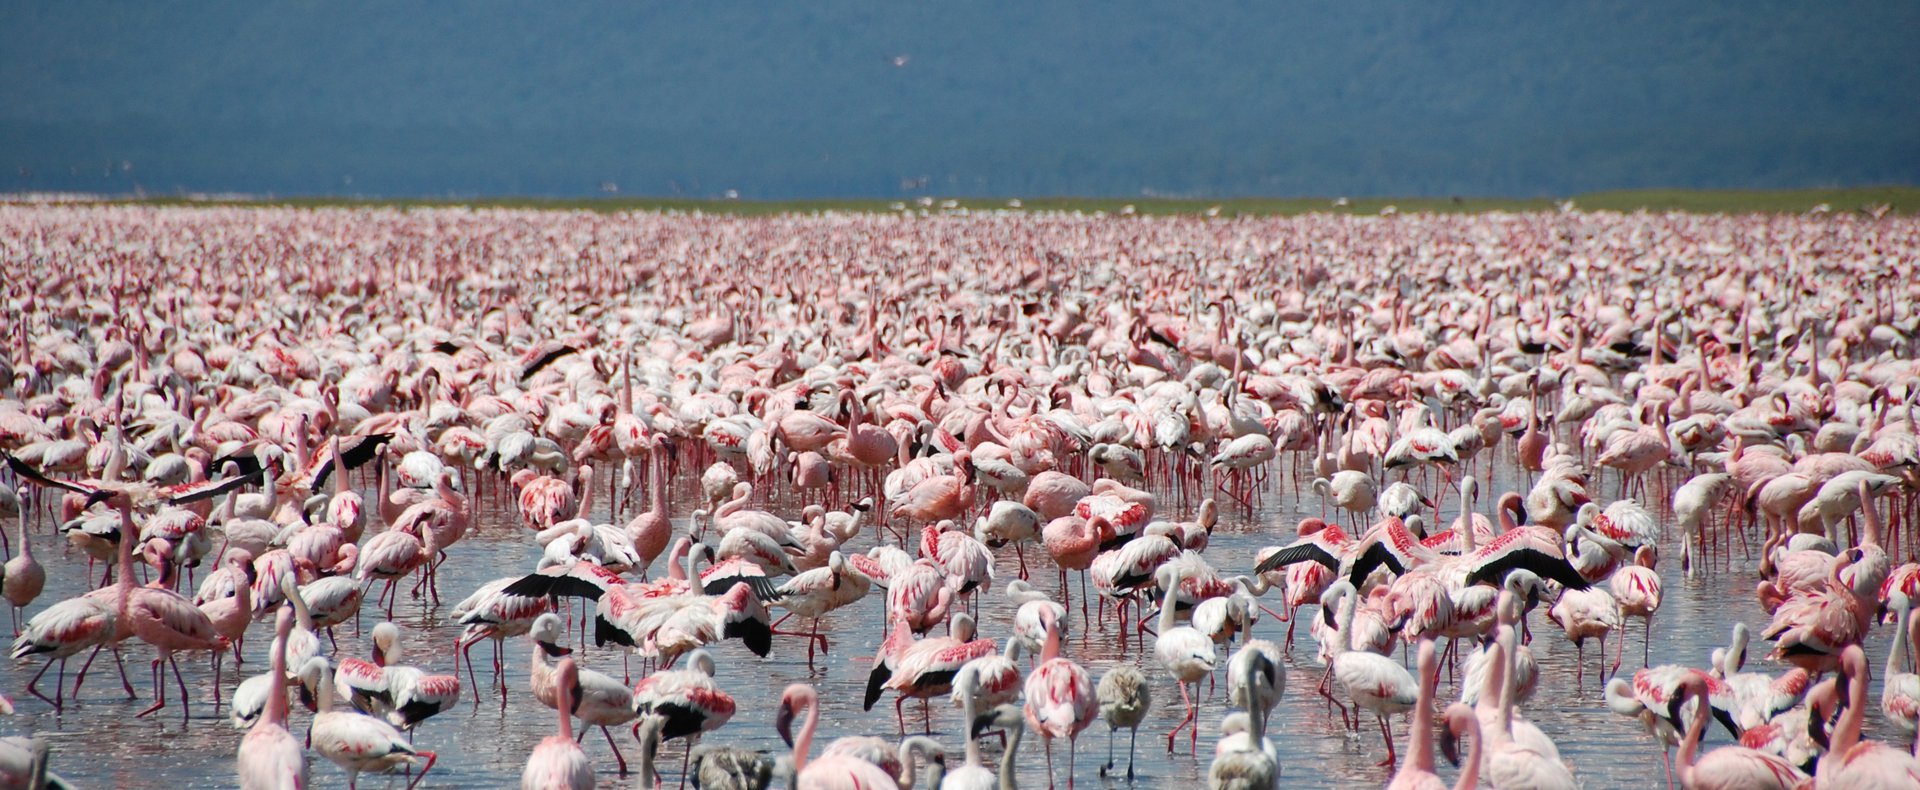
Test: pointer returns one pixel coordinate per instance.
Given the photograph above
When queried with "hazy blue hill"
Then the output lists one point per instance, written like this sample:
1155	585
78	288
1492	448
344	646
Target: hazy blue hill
1023	98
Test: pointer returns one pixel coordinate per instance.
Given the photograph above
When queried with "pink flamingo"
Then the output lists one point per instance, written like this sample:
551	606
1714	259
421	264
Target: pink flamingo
1728	767
231	615
650	531
1852	761
1060	700
160	617
1637	589
1811	629
830	772
687	701
1073	543
558	763
1417	772
926	668
1372	681
812	594
1188	656
270	758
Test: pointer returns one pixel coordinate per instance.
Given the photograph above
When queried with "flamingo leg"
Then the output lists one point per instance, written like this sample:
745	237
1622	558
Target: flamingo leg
1109	762
1132	740
617	756
431	759
31	689
1049	743
159	692
1386	733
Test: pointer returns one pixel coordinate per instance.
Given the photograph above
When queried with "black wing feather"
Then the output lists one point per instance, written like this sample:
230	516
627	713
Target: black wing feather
37	477
1376	555
547	359
1298	552
1547	566
763	588
540	585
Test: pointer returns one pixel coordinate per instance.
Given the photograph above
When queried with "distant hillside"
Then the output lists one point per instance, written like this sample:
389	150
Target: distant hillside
837	98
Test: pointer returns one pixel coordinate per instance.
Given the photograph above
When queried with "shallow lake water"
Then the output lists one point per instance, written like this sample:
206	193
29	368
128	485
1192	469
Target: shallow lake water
98	743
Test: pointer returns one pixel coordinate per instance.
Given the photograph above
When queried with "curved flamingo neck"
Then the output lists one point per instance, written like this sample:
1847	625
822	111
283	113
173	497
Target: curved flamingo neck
1508	502
1689	747
565	675
676	561
1470	771
586	493
803	745
1871	513
1167	602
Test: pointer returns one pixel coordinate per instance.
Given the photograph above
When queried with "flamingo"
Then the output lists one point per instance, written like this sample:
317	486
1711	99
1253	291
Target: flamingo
1124	700
832	772
558	763
1243	759
1372	681
1188	656
270	758
813	594
1728	767
22	577
1636	588
1852	761
599	700
356	742
1060	700
158	616
972	775
926	668
1417	772
1900	691
687	702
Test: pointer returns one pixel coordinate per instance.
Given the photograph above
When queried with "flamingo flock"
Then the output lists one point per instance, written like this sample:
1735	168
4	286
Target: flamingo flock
1022	469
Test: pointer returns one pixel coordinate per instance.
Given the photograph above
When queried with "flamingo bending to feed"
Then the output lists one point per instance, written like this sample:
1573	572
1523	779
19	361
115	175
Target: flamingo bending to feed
356	742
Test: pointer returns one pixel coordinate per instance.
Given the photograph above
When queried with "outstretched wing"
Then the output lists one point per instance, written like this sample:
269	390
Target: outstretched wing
1376	555
208	489
355	451
1494	571
541	356
1300	551
37	477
